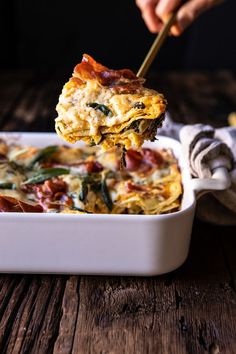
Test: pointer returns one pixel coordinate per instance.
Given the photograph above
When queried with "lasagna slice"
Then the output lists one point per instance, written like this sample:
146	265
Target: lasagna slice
108	107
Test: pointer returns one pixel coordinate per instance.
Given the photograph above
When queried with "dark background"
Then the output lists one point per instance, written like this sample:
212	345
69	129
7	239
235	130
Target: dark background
53	35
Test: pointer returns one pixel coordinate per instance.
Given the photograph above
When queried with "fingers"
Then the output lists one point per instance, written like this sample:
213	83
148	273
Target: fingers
153	23
189	12
147	8
156	12
165	7
186	14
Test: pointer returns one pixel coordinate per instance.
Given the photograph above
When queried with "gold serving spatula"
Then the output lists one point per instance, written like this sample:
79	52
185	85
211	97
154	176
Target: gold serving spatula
156	45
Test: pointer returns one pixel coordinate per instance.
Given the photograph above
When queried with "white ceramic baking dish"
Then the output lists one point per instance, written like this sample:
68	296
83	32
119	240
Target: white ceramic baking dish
102	244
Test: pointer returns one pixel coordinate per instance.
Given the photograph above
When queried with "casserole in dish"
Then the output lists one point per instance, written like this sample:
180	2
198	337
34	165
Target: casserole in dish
64	179
101	243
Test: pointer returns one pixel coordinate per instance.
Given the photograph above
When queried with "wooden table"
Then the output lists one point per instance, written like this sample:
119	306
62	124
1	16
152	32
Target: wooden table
191	310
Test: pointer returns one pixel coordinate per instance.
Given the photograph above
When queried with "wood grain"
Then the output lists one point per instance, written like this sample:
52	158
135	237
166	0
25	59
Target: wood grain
69	313
183	312
197	97
191	310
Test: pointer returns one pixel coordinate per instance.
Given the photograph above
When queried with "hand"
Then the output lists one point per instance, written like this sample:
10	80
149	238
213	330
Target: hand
155	13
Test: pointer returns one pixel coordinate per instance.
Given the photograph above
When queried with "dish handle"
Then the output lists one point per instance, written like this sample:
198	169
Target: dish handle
220	181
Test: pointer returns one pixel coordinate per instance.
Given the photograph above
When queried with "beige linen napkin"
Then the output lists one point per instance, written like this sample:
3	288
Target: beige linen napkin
207	148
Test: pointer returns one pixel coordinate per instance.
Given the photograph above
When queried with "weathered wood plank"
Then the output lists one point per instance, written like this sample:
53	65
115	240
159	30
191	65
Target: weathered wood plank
207	310
7	286
27	109
46	112
11	309
70	308
198	97
45	339
13	85
228	244
182	312
36	316
21	322
29	104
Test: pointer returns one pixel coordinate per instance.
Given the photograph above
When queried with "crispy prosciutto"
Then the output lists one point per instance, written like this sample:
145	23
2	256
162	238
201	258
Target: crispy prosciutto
10	204
50	194
89	69
144	160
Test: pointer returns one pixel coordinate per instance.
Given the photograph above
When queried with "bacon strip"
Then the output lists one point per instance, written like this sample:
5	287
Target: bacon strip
89	69
50	194
143	160
10	204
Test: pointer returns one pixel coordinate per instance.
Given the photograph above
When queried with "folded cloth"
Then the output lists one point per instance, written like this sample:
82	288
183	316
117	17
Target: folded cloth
207	148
